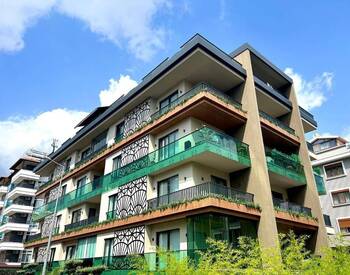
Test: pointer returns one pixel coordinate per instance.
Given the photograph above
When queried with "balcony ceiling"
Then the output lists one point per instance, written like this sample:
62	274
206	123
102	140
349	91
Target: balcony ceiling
270	105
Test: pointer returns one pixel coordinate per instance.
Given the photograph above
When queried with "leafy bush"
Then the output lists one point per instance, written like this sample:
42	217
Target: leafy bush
92	270
29	269
248	257
71	266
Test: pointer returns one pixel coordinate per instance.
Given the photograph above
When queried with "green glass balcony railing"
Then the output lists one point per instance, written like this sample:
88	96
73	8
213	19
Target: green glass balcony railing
285	165
195	143
74	197
321	188
277	122
201	87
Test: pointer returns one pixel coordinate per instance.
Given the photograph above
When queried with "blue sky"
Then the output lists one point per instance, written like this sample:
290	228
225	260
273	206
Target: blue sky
56	56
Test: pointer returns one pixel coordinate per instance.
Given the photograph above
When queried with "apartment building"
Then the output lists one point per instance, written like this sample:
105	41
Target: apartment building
17	199
330	157
209	144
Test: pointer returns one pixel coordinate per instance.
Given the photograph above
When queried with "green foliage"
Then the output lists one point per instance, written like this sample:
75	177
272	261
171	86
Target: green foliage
29	269
92	270
289	258
71	266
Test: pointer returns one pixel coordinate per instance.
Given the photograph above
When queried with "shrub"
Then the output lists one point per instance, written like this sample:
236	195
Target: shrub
92	270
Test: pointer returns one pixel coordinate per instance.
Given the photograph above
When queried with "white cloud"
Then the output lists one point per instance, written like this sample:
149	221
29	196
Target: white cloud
311	94
116	20
117	88
19	134
16	17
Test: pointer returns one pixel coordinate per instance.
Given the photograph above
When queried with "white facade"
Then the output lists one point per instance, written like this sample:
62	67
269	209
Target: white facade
333	163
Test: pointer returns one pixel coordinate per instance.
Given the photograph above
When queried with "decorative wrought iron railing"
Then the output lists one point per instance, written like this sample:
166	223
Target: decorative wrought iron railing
201	87
291	207
80	223
285	165
195	143
277	122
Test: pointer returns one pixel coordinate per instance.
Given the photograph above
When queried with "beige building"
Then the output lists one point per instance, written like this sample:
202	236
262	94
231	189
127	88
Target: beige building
209	144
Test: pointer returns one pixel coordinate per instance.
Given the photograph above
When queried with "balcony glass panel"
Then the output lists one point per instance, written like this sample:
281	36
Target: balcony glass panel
285	165
321	188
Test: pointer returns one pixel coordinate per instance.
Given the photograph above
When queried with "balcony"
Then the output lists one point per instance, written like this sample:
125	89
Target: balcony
196	192
291	207
3	189
286	170
23	175
17	206
206	146
33	237
277	122
81	223
201	87
98	148
22	189
321	188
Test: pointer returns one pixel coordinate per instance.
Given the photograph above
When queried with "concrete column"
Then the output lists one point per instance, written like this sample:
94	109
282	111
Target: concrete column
257	179
308	196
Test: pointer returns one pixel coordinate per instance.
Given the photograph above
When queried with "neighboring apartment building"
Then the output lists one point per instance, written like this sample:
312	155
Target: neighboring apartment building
17	197
186	155
330	157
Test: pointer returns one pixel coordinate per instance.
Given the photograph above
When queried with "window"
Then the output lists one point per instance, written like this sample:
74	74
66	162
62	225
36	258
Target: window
323	145
344	225
341	197
169	240
70	252
112	205
85	154
52	254
117	162
99	142
76	215
119	131
165	188
167	101
67	164
334	170
218	180
167	146
80	183
86	248
64	190
327	220
277	195
108	249
57	223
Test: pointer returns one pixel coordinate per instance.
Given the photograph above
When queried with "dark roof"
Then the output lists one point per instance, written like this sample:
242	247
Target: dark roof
197	41
25	158
92	116
246	46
